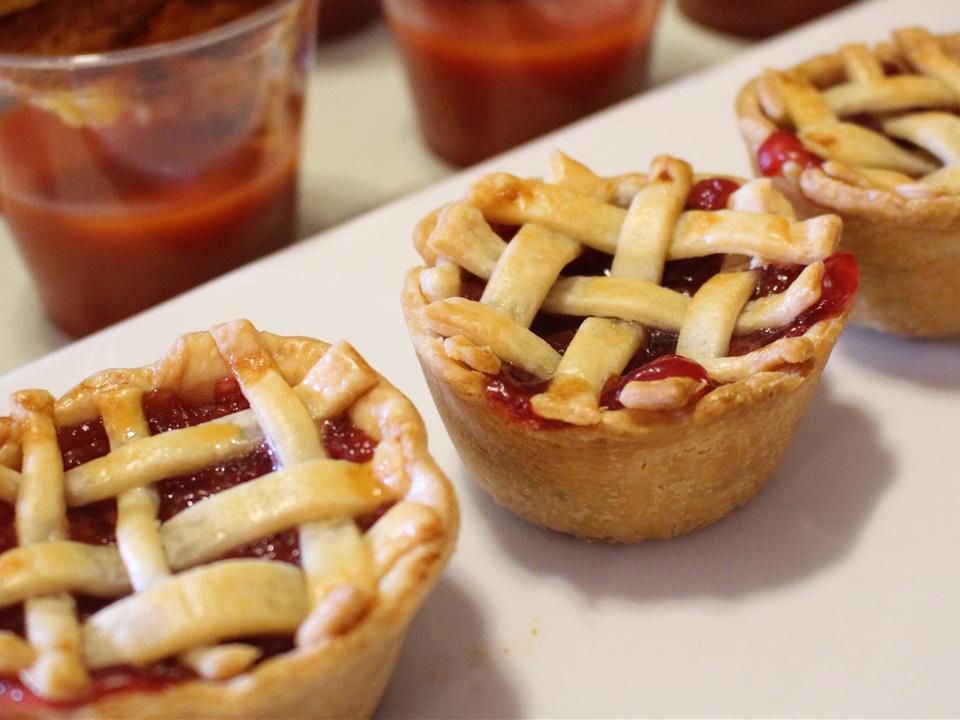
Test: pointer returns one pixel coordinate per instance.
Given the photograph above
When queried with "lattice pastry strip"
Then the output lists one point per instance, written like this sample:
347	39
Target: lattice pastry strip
655	306
138	538
924	52
62	566
936	132
870	90
340	584
647	231
759	196
314	490
462	233
169	454
624	298
487	327
526	270
755	196
57	670
670	393
510	200
193	608
712	315
564	171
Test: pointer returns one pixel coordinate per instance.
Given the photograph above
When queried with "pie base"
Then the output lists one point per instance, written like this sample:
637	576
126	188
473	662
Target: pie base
636	475
907	249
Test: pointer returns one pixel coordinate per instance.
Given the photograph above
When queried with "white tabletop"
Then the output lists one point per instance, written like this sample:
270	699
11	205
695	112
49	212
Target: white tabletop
361	149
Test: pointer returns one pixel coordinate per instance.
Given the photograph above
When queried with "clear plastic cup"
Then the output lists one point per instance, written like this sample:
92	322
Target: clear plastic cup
129	176
489	74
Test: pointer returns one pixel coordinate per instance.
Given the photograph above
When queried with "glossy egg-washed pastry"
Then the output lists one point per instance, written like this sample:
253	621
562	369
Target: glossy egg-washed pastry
873	135
242	530
624	358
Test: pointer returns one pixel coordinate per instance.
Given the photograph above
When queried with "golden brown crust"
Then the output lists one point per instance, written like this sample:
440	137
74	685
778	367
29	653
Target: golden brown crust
635	475
344	676
908	248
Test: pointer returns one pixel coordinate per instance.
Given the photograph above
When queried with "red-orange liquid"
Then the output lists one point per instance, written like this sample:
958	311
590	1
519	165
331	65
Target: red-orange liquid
108	231
489	74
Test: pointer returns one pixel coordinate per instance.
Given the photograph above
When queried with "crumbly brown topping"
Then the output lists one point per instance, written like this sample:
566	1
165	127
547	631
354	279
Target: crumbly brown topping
66	27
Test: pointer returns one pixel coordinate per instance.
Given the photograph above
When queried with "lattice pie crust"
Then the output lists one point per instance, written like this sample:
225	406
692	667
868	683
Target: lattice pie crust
895	180
666	463
349	602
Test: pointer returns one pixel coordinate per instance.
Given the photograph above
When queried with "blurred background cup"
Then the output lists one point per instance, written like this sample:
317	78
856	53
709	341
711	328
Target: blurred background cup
489	74
129	176
756	18
341	17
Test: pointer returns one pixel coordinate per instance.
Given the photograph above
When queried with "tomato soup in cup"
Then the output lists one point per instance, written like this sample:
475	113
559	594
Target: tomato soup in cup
147	146
489	74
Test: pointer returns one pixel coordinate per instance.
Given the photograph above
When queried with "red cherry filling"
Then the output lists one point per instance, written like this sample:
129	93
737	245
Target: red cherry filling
82	443
666	366
345	441
95	524
511	391
711	194
8	532
837	290
783	146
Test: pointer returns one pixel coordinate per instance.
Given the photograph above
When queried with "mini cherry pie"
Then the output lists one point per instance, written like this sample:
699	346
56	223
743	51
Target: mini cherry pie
243	529
873	134
624	358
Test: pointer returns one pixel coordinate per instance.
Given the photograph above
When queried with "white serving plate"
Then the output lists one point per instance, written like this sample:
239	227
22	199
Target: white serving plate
836	592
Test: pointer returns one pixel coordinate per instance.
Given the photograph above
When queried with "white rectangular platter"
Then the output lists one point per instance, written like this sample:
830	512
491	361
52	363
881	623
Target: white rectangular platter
835	593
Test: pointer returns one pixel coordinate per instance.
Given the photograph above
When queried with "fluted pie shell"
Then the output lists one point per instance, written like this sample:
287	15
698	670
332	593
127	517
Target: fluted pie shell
636	474
341	672
907	247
